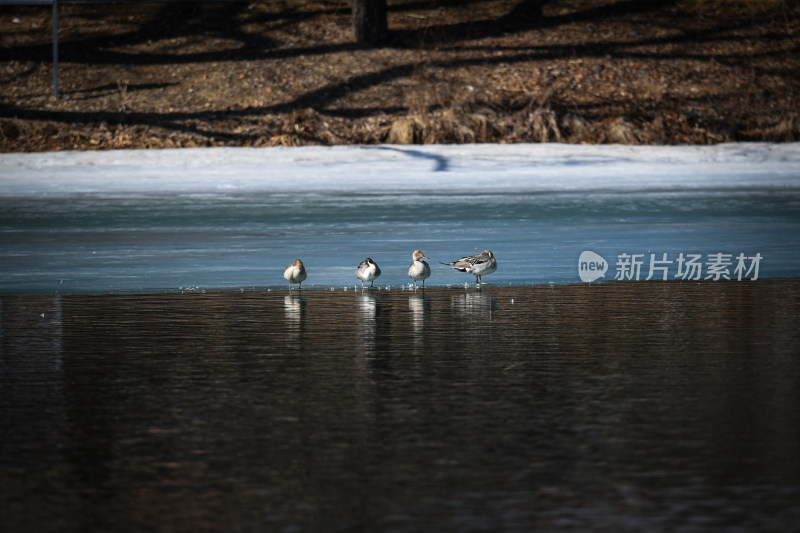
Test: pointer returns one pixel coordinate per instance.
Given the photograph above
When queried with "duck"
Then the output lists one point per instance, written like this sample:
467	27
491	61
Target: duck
419	270
295	273
368	270
479	265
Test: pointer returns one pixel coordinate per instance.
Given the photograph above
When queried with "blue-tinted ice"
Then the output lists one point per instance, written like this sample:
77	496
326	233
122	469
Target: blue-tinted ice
234	218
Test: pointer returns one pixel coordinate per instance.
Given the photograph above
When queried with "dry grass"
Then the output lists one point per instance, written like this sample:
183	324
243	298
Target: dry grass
276	73
733	7
786	130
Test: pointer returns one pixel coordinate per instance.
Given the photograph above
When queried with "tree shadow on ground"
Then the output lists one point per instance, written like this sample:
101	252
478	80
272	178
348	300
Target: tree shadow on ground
176	21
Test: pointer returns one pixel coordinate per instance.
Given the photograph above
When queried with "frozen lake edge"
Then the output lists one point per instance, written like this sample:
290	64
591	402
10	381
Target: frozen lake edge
232	218
425	168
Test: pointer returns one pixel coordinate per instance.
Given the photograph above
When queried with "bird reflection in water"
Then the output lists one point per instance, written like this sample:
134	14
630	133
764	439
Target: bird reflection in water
294	308
420	308
480	306
367	309
367	312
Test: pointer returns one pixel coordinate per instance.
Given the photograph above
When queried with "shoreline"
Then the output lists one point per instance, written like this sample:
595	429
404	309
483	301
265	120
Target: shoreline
488	289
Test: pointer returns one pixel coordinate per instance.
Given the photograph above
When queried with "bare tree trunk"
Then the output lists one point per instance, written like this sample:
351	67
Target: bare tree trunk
369	22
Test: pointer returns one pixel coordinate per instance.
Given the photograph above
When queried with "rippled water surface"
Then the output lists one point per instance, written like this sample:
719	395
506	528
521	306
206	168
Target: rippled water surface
658	406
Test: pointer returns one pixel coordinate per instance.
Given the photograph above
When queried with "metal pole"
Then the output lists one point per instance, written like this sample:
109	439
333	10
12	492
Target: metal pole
55	48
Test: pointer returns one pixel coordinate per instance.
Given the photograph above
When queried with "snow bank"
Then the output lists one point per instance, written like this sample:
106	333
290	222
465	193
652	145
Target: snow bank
470	168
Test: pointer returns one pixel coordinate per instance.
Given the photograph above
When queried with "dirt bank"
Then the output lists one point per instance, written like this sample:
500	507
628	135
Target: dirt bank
238	74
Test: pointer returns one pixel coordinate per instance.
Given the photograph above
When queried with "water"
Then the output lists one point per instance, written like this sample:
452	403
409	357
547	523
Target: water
156	374
650	406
